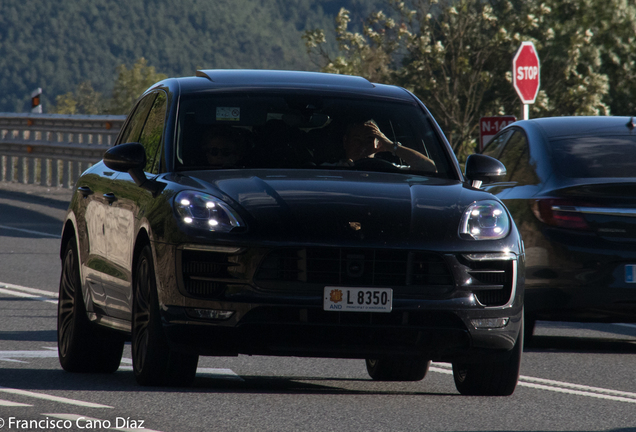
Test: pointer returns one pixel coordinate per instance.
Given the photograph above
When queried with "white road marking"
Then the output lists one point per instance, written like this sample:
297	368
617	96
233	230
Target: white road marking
29	231
12	355
83	419
13	290
576	392
558	386
578	386
7	403
52	398
44	293
219	373
11	360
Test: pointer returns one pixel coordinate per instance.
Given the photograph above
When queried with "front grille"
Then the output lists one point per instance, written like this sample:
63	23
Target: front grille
492	281
354	267
205	274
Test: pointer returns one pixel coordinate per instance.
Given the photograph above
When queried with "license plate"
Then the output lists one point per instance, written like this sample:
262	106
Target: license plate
358	299
630	273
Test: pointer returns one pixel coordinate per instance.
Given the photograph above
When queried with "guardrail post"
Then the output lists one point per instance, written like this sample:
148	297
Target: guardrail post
21	169
31	166
65	173
77	170
55	173
10	168
45	169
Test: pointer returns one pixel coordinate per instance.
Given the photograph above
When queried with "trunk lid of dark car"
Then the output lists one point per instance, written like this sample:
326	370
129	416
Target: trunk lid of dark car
607	209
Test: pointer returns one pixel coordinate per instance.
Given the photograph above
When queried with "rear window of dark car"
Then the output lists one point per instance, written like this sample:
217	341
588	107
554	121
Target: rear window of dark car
297	130
595	156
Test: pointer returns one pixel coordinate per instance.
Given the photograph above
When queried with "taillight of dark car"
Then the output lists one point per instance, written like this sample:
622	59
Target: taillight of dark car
560	213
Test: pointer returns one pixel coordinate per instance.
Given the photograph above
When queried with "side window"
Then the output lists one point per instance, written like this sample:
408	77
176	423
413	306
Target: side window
516	158
152	132
136	123
493	148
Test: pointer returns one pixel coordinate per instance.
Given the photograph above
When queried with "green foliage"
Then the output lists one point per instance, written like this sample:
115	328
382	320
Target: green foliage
369	54
59	44
130	84
456	55
85	100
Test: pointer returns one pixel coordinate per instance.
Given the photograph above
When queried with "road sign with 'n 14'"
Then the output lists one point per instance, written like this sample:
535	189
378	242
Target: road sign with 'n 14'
489	126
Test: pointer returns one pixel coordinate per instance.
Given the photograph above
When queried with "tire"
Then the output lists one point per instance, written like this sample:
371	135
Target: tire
497	378
392	369
154	363
82	346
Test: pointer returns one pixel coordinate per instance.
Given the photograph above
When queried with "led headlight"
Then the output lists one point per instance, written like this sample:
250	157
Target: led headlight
485	220
205	212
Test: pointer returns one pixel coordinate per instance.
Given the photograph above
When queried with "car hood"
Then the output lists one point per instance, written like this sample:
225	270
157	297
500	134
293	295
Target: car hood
327	206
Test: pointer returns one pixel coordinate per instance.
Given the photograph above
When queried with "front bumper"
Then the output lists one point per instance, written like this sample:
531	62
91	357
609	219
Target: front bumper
276	303
298	331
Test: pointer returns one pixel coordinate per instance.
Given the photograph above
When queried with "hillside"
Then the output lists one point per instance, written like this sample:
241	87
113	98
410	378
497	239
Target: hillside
57	45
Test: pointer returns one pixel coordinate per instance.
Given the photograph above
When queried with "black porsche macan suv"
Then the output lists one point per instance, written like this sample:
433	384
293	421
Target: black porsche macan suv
290	214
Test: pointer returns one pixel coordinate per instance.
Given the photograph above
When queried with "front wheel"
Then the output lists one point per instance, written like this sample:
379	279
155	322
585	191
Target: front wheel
154	363
496	378
393	369
81	345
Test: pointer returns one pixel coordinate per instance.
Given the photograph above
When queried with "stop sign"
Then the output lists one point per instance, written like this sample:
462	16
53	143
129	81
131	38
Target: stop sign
525	72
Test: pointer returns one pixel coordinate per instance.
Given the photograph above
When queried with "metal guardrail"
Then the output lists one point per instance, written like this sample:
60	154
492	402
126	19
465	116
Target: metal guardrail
53	149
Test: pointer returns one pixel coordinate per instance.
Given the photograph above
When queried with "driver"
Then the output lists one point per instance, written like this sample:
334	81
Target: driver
365	140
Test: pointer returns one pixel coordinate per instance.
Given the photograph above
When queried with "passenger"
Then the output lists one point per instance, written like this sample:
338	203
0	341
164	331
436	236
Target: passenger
365	140
224	147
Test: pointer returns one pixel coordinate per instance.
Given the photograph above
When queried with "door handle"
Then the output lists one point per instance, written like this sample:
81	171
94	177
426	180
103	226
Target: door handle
110	197
85	191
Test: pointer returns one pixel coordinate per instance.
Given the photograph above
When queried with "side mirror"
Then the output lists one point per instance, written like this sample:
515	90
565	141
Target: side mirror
484	169
130	158
125	157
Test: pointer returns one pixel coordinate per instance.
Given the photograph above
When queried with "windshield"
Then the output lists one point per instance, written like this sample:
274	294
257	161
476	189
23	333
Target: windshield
307	131
595	156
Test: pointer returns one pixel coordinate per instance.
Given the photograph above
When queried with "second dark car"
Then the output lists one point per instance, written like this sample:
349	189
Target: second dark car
290	214
571	188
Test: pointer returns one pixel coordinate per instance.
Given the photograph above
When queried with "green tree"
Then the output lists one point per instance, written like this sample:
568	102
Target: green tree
587	55
130	84
370	54
454	53
85	100
56	45
617	34
457	56
572	80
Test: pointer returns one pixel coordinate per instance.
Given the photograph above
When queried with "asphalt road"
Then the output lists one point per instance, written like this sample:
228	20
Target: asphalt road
575	377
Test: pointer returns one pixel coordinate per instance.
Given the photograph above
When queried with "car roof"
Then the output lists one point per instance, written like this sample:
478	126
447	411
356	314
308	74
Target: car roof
247	79
577	126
